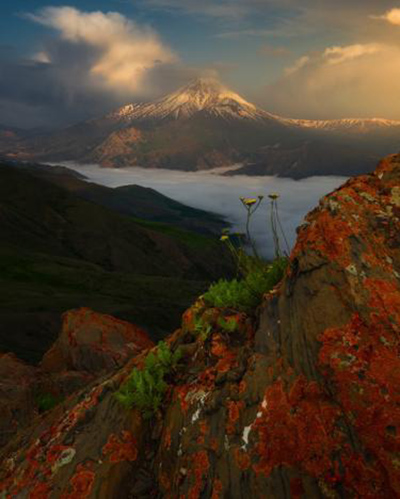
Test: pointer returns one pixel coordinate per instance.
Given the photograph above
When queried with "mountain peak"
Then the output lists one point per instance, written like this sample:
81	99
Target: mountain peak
206	95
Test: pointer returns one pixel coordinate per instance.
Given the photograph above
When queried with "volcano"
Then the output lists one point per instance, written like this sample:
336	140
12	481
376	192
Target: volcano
205	124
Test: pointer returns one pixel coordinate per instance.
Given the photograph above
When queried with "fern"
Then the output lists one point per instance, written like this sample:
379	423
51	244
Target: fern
247	293
202	328
145	389
228	325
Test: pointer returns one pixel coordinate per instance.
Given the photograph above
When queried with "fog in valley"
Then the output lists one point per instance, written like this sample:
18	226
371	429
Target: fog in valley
219	194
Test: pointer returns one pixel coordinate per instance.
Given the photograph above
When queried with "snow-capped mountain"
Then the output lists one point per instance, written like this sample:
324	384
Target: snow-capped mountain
211	98
205	124
204	95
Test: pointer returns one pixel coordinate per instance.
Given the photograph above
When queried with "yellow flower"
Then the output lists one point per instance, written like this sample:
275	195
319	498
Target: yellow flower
224	238
273	195
248	201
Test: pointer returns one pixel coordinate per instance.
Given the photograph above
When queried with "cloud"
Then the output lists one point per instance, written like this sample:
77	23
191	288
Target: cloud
125	52
358	80
299	64
392	16
93	63
339	55
297	198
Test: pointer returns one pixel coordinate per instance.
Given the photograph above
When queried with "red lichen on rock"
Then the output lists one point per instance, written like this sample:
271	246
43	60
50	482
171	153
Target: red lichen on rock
364	360
41	490
217	489
243	459
123	448
81	484
167	438
91	341
200	466
297	429
328	235
234	409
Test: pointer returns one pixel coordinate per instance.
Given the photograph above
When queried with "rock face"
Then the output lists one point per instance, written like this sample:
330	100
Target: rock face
299	400
94	342
89	345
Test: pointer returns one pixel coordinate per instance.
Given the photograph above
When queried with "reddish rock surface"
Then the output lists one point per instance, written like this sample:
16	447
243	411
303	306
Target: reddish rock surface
16	386
93	342
301	400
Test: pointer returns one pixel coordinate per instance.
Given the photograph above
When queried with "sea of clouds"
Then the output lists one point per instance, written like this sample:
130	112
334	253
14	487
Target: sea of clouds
211	191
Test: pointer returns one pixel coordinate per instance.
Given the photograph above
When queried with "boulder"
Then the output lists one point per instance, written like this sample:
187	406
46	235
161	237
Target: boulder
94	342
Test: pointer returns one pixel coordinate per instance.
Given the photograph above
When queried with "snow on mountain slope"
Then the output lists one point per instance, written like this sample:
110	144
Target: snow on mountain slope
357	125
213	99
205	95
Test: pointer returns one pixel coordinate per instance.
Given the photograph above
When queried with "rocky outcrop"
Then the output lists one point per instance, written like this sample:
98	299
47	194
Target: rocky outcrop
90	344
300	399
93	343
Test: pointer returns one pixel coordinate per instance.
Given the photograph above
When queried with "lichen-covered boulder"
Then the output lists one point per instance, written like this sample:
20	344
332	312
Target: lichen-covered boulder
300	399
94	342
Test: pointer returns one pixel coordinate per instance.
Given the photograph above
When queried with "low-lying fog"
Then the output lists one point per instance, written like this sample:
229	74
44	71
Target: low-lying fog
213	192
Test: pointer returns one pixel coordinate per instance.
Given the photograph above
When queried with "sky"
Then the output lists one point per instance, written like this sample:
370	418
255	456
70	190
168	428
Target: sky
66	61
296	197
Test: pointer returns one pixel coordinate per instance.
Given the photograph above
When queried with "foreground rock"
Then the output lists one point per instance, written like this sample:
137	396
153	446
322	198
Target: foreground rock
94	342
300	400
90	344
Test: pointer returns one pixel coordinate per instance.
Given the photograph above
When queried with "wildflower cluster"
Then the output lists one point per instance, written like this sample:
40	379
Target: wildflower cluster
255	276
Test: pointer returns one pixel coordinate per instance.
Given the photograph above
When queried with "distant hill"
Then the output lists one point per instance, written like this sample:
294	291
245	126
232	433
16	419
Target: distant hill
204	125
59	251
134	200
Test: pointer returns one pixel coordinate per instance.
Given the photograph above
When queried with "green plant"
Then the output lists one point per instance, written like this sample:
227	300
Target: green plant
202	328
251	205
276	226
246	294
47	401
230	325
145	388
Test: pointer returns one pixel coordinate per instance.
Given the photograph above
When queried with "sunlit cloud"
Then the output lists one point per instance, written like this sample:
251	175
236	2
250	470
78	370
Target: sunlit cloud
392	16
300	63
357	80
125	51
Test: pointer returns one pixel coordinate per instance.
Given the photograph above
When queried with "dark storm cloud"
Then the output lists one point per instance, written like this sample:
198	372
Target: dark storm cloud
96	62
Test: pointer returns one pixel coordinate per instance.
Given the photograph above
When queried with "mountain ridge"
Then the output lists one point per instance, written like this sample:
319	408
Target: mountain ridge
204	125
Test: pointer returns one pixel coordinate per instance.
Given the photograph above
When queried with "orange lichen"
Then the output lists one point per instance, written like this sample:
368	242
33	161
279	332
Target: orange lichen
297	429
122	448
41	490
234	409
81	484
217	489
167	438
242	459
363	358
329	235
200	466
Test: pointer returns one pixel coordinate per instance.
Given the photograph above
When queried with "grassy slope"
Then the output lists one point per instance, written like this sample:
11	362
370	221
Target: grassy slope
59	252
